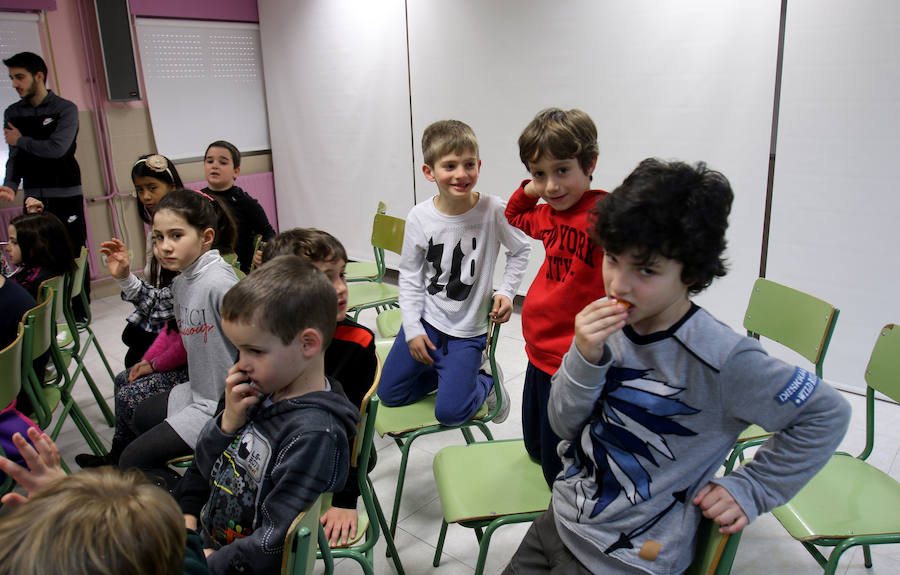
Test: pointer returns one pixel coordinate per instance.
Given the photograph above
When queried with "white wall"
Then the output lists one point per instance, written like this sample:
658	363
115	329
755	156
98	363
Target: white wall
692	80
836	202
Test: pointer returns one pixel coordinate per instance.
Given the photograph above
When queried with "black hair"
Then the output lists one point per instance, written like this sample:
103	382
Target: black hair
310	244
144	169
44	242
28	60
669	209
232	149
202	211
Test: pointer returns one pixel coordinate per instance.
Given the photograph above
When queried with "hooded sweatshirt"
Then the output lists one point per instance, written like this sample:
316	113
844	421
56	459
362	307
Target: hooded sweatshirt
285	456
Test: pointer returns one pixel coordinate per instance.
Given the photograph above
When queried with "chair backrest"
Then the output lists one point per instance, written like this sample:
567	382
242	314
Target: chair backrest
362	443
387	232
11	369
56	282
75	280
713	552
39	324
299	555
883	370
796	320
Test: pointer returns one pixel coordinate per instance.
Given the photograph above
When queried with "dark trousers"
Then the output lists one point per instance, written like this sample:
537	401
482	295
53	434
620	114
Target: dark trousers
156	442
542	551
540	439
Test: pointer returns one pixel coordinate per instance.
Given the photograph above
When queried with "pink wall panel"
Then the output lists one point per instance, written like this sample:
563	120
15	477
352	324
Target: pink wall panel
260	186
233	10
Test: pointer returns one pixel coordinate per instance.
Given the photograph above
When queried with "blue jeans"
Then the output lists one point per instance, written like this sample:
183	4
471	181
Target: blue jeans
461	390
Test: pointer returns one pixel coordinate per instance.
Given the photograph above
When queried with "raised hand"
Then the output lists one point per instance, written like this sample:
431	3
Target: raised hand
116	258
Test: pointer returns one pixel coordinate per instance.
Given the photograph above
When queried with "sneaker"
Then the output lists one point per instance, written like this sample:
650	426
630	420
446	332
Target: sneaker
88	460
491	400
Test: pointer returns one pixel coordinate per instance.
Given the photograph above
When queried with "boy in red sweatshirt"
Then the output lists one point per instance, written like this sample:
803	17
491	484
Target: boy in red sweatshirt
559	149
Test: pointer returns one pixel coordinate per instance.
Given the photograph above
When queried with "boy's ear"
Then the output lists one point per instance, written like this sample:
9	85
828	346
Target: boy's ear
208	236
39	76
237	171
310	342
590	169
429	172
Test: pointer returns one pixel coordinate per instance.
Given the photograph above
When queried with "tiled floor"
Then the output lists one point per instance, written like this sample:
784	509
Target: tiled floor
765	548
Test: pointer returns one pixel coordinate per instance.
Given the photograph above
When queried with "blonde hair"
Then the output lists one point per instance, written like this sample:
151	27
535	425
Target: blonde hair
99	522
445	137
562	134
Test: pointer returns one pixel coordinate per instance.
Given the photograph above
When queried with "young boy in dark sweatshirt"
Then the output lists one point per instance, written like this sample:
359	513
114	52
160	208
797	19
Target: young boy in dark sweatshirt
282	439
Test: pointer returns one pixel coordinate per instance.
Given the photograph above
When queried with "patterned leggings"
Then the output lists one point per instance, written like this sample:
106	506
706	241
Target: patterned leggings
129	394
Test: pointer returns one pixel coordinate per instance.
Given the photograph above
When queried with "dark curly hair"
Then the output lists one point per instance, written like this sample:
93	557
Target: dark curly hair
669	209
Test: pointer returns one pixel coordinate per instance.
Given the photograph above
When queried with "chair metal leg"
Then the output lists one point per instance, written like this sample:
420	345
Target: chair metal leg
867	556
440	544
388	536
401	478
92	338
325	551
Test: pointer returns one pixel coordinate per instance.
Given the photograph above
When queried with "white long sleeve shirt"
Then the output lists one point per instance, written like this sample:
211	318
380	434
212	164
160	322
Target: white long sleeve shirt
447	266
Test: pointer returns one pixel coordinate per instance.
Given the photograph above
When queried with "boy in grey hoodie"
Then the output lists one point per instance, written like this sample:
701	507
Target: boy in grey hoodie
654	391
282	439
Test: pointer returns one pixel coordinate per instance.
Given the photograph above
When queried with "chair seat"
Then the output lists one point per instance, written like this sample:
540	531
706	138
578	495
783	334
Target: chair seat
370	293
388	322
848	498
515	485
361	271
53	397
753	432
406	418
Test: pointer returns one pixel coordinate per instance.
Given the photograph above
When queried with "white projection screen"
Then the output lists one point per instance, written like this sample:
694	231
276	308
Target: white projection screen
692	80
836	202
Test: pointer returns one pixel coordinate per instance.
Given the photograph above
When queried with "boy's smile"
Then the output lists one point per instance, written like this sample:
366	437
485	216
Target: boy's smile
560	183
653	287
455	175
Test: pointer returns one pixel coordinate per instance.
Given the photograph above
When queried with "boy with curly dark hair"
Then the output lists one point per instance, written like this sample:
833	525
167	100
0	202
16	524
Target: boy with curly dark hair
654	391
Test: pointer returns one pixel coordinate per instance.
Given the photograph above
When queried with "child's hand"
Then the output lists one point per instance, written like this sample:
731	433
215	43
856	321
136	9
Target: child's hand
42	461
502	310
418	348
140	369
239	396
594	324
339	525
257	258
116	258
7	194
717	504
530	191
33	206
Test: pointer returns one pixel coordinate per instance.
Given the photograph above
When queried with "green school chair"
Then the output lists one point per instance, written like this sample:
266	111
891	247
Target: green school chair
367	271
796	320
68	335
10	385
388	322
299	554
713	552
850	502
387	234
361	548
40	337
508	487
407	423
